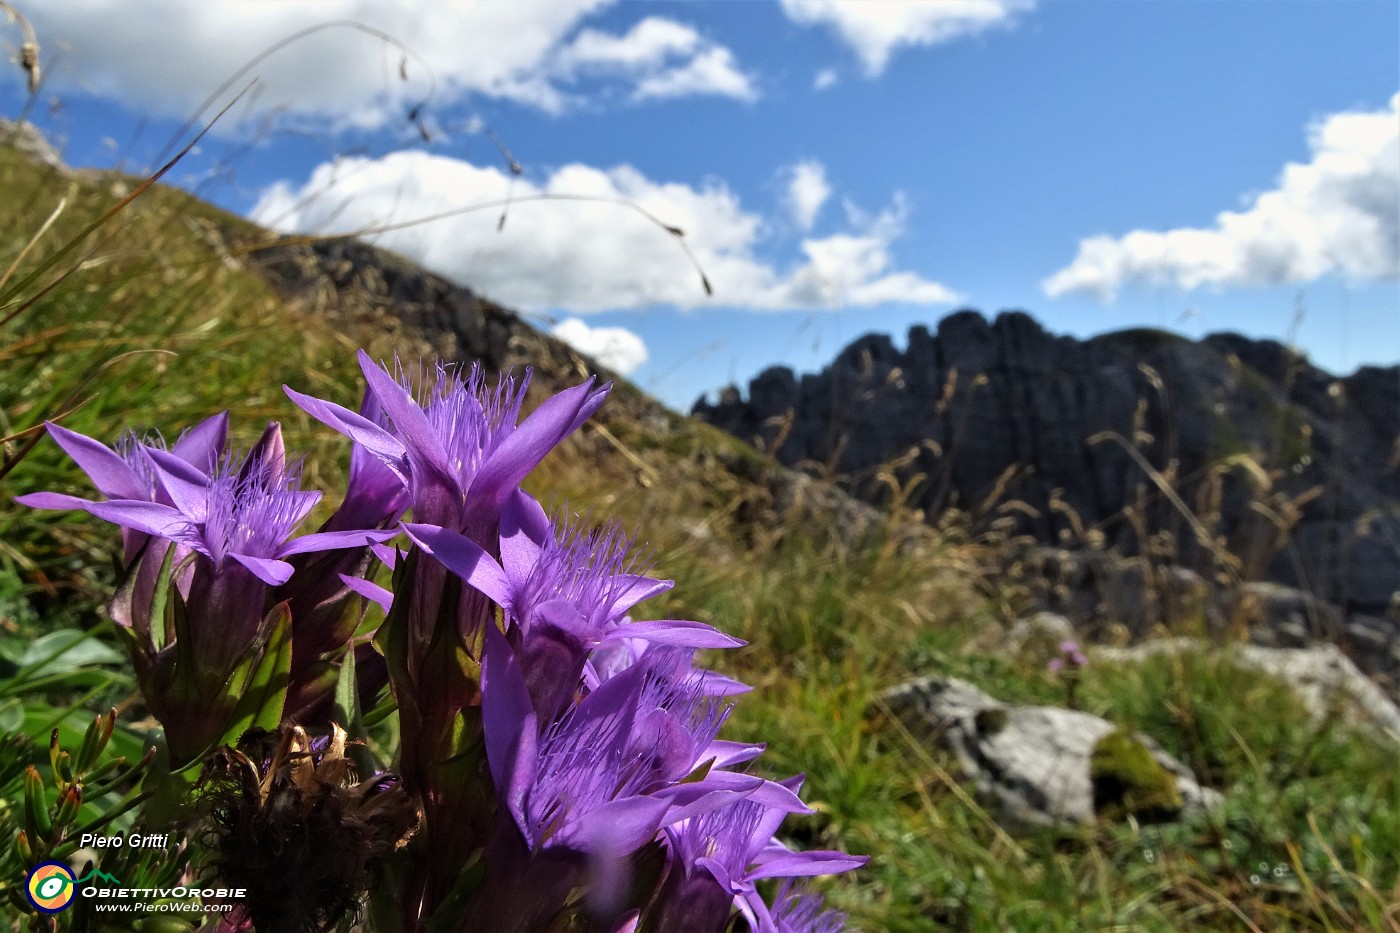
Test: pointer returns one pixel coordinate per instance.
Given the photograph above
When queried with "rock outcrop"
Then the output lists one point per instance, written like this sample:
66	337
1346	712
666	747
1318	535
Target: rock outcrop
1252	438
30	142
1043	766
365	290
1106	597
1325	681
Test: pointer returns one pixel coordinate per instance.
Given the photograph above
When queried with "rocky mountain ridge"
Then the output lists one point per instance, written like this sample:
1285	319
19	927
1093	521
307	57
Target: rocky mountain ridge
1231	456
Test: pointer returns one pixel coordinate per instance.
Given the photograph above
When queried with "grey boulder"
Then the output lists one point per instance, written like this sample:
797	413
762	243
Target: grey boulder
1036	766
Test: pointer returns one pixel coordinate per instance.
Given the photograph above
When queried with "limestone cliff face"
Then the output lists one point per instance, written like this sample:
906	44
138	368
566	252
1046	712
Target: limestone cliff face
977	398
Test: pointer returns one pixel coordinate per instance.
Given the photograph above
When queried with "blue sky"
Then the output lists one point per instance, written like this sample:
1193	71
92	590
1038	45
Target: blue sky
838	167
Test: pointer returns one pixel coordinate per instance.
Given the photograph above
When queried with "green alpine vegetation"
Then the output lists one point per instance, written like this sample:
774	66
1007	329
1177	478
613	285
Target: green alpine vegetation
156	314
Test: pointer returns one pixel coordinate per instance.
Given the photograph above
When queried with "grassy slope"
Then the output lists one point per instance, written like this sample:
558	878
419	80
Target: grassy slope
161	327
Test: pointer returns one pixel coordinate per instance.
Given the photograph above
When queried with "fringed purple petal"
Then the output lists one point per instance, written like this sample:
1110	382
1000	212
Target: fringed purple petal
777	798
268	457
433	479
465	558
150	517
335	540
773	797
524	531
527	445
509	723
565	617
718	870
632	588
373	592
677	633
775	863
112	476
388	556
717	685
552	653
796	910
271	572
375	494
693	804
368	435
614	829
187	487
754	909
726	754
52	500
202	445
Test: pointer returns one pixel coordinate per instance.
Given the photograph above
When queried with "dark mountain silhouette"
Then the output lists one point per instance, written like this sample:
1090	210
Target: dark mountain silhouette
1251	436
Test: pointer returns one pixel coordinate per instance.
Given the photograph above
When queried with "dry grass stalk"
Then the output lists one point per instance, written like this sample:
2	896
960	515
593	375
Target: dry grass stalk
28	49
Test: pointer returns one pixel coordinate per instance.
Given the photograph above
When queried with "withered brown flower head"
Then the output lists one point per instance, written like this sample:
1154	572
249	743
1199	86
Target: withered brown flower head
290	821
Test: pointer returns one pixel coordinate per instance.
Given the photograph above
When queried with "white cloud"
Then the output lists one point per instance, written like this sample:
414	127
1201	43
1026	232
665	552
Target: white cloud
166	56
854	268
806	193
1339	212
824	79
583	257
711	72
661	57
647	44
617	348
875	28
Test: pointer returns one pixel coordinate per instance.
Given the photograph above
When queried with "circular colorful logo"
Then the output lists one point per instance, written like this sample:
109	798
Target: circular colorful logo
50	887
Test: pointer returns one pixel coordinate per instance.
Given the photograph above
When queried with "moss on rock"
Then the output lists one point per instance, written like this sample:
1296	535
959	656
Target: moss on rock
991	721
1129	781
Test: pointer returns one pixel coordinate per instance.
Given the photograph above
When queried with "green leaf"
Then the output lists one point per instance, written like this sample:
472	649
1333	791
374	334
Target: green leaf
160	599
11	716
167	785
451	908
136	651
347	698
62	652
152	630
381	711
392	639
347	713
262	693
178	622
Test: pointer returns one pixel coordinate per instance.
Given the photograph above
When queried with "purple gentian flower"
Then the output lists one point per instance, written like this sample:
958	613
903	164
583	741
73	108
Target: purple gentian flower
563	596
719	856
238	521
126	472
598	784
244	515
798	911
606	775
1070	655
227	521
459	449
455	445
622	650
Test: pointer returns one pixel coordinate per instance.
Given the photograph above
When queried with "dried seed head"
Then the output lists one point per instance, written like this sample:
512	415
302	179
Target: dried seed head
29	61
29	48
289	820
